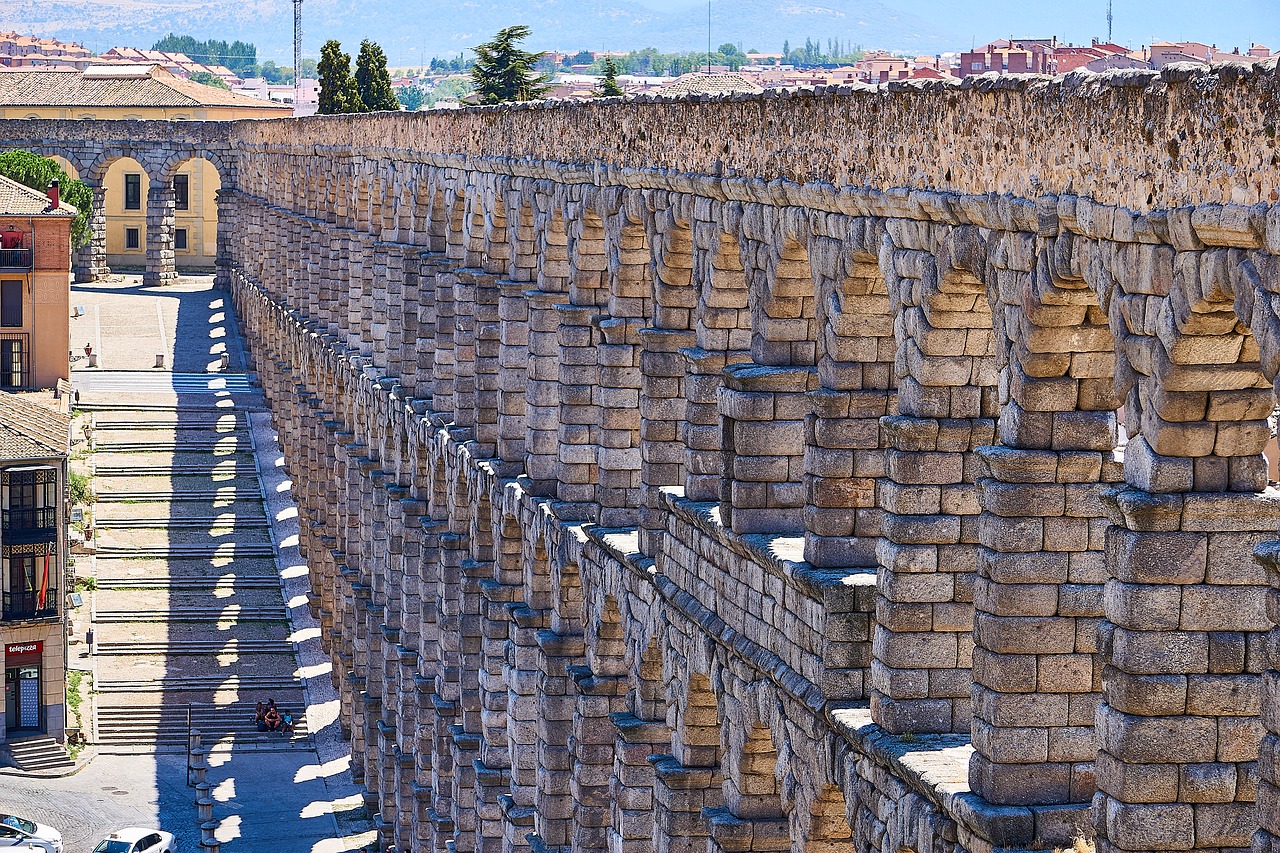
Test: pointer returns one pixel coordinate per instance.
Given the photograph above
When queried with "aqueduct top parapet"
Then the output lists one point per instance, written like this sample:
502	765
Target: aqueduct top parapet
1122	138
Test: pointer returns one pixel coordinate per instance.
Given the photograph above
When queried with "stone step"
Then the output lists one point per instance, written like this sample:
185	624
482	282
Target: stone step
226	405
179	683
234	427
197	522
193	647
192	584
170	724
229	443
231	494
226	549
232	612
39	753
178	470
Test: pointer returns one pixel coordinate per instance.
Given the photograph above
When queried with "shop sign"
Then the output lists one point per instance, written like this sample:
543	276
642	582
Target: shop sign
34	647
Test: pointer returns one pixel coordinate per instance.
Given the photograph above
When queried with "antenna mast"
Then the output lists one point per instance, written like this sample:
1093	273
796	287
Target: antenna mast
708	36
297	55
1109	41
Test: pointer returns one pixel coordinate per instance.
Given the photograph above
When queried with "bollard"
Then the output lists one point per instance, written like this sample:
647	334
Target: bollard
193	740
203	792
206	832
159	359
226	360
210	846
204	809
199	766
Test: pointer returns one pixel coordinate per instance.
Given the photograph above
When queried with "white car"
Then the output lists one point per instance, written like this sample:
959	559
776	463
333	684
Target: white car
137	839
23	834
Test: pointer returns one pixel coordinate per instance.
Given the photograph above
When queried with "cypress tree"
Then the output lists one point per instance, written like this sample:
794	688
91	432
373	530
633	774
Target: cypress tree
609	87
373	81
338	93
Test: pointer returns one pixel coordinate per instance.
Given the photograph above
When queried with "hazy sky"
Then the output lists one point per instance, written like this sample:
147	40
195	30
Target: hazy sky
1228	23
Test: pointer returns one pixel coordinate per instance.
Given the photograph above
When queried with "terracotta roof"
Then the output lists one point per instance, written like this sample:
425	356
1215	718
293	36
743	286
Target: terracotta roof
66	87
710	84
20	200
31	431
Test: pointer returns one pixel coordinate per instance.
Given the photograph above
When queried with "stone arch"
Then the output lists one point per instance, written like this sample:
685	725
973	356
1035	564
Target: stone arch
856	342
783	307
553	253
647	696
437	219
724	312
588	260
829	830
177	159
497	246
751	789
605	637
675	300
695	723
456	246
630	260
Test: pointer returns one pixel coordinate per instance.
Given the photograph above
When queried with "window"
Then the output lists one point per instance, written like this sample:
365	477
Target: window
12	372
11	304
132	239
133	192
975	66
181	193
180	239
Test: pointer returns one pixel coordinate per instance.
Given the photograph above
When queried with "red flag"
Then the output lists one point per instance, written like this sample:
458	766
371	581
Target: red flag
44	585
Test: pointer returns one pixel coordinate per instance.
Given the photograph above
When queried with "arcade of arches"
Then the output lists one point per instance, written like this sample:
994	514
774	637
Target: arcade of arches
762	486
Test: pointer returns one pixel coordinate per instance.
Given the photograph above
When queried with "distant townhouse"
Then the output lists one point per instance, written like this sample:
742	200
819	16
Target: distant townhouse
18	51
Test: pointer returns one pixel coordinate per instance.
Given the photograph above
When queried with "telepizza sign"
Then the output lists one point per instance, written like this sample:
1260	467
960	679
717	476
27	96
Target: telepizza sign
32	648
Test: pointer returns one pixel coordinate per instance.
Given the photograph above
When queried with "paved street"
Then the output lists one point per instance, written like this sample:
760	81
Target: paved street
113	791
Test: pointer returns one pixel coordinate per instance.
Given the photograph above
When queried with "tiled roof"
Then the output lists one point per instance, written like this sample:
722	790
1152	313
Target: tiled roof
710	84
31	431
20	200
63	87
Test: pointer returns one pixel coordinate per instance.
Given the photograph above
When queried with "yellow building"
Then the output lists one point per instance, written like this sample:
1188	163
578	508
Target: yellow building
138	91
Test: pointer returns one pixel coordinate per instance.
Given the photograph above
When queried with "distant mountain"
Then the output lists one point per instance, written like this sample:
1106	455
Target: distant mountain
409	31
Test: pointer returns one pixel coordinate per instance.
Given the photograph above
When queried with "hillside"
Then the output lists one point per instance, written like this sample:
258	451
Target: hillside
409	32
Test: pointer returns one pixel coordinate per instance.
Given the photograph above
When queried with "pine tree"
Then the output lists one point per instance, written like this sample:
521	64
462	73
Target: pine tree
609	87
338	93
373	81
504	73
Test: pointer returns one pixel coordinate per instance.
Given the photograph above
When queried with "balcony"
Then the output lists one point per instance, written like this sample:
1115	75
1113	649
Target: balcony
31	605
15	259
29	525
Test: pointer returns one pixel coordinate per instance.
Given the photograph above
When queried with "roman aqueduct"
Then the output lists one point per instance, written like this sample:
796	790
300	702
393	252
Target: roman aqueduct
867	469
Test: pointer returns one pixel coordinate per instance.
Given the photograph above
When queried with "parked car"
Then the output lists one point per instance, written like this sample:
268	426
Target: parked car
23	834
137	839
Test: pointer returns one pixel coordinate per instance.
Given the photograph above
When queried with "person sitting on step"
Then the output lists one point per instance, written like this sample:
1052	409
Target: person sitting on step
273	719
260	716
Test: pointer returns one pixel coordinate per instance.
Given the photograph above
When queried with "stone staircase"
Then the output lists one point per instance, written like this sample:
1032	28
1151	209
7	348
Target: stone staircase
166	726
190	626
39	754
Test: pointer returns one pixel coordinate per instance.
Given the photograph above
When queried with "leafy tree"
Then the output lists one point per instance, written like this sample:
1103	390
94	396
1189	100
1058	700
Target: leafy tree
609	87
210	79
373	81
728	49
504	73
338	93
411	97
38	172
